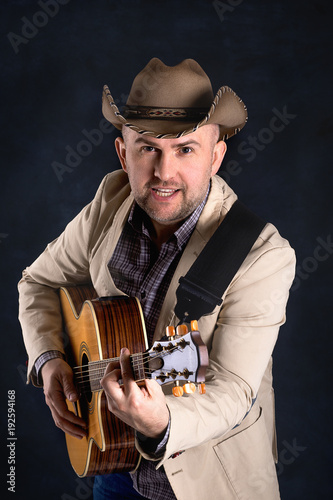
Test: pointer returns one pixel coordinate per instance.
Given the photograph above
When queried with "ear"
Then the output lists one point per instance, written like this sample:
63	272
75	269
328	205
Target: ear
121	151
219	151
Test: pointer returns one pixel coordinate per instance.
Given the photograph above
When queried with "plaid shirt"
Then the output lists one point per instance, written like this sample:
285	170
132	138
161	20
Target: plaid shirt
139	270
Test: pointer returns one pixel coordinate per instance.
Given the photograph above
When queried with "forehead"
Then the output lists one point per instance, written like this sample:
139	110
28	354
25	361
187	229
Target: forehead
200	137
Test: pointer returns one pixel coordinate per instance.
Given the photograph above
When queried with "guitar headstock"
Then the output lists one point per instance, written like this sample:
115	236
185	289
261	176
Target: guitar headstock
182	359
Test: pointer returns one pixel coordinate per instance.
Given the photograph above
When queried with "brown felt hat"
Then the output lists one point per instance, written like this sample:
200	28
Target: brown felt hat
172	101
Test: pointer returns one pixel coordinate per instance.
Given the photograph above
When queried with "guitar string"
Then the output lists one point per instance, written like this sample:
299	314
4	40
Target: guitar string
101	364
141	361
89	384
89	373
136	360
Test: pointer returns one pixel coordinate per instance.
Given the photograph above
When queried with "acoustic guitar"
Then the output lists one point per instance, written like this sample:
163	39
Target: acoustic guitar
97	329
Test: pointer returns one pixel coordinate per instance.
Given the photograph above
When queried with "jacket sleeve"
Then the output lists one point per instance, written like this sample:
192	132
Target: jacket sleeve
241	345
64	262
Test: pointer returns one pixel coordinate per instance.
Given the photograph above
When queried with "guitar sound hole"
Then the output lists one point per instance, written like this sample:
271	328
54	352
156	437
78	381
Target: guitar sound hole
155	363
86	389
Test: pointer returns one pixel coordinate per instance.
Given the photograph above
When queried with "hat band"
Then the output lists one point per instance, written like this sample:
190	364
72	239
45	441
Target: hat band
155	113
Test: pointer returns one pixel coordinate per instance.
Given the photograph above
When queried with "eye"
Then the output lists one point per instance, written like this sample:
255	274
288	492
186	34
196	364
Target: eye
186	150
149	149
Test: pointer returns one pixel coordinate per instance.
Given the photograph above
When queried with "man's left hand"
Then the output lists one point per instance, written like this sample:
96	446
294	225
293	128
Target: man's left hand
143	408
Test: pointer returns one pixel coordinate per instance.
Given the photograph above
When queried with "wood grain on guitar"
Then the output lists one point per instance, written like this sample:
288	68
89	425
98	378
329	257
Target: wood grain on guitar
97	329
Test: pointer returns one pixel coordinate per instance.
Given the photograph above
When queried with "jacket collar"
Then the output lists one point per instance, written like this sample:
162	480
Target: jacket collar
220	200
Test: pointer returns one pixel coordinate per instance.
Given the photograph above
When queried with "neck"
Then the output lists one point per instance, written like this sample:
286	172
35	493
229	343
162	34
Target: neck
163	232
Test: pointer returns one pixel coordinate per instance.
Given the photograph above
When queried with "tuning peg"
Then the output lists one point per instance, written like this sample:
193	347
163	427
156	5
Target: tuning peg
194	325
189	388
170	332
202	388
182	330
177	390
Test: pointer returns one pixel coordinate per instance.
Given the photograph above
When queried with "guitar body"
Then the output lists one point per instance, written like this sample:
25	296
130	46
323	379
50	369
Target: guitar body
97	329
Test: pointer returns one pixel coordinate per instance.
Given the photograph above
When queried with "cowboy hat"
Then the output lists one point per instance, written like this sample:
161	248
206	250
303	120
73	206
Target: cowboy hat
172	101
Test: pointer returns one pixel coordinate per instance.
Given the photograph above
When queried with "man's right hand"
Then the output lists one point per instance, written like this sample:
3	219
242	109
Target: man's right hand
58	385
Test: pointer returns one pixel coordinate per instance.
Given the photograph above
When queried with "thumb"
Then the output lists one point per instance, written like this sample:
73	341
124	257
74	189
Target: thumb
69	387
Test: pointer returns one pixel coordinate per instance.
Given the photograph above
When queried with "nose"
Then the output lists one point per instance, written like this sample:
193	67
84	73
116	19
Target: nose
165	167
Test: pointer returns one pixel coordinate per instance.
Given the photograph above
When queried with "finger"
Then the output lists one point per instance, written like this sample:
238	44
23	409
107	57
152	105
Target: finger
57	373
65	419
65	413
112	367
110	381
58	406
66	426
153	388
69	388
126	368
112	373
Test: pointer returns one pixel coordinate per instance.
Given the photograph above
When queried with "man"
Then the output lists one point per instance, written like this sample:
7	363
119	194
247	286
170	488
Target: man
144	229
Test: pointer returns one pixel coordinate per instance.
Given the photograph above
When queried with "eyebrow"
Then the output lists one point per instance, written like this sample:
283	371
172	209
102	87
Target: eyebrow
145	140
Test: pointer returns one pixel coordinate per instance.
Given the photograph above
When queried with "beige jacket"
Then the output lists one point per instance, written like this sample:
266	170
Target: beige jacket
228	443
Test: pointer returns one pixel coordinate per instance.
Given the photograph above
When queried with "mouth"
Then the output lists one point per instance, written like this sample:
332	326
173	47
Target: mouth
164	192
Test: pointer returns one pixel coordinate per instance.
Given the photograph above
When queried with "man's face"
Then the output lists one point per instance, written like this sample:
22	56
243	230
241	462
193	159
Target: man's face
170	177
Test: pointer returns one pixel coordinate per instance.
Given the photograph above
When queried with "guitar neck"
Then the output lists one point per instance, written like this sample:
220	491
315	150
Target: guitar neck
180	359
88	376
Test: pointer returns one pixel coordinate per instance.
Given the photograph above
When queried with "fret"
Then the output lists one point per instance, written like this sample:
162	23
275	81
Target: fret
96	369
138	366
96	373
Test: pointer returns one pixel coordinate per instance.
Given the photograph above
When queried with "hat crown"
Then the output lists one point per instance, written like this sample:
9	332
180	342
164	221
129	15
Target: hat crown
173	101
185	85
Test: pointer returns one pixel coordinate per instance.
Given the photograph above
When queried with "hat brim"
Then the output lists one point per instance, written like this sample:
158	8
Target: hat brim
227	110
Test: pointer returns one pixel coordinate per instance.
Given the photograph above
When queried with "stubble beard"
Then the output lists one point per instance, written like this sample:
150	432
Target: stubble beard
180	213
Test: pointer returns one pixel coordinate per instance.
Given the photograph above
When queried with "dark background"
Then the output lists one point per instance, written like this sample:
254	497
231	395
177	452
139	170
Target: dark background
276	56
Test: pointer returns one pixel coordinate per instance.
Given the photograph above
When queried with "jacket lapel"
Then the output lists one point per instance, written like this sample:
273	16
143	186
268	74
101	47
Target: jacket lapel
104	284
220	199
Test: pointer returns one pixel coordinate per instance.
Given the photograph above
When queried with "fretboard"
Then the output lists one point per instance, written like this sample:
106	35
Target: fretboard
95	370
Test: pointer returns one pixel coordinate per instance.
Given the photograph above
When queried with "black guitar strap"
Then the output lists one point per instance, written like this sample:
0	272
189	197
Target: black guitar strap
200	291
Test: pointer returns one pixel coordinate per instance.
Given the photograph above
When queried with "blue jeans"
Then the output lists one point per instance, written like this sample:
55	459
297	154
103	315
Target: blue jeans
115	487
